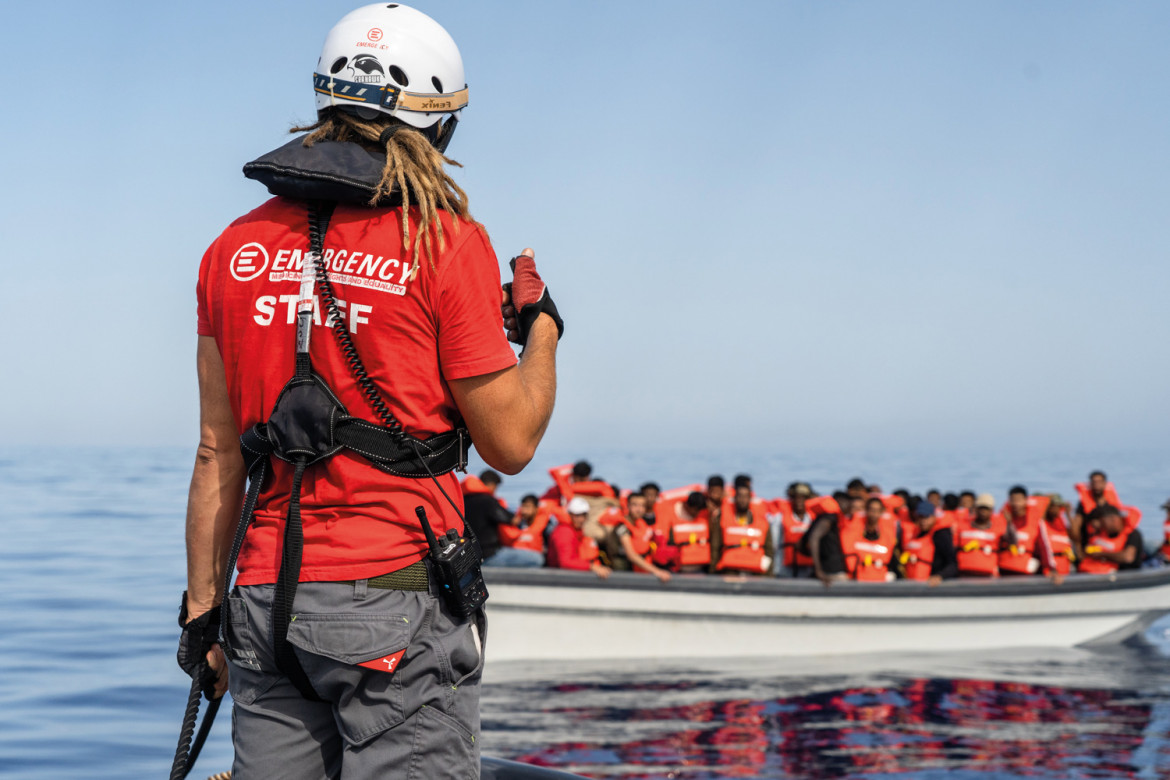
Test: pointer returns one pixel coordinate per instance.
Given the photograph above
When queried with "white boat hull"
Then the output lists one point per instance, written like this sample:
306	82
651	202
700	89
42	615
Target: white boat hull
558	615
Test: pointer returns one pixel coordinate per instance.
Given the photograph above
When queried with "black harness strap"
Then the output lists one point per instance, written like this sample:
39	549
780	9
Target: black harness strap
286	591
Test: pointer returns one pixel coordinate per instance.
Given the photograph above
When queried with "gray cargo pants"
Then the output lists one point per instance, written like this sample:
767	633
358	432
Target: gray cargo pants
414	716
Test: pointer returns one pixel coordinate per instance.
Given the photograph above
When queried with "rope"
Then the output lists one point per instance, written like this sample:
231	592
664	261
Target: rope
187	752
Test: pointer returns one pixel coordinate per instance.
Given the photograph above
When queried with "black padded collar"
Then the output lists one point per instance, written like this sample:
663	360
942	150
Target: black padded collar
328	170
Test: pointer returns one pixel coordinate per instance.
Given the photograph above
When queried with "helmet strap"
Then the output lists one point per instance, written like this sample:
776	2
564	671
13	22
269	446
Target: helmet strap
445	133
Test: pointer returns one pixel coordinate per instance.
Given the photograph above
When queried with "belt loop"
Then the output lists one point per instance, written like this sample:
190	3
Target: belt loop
359	589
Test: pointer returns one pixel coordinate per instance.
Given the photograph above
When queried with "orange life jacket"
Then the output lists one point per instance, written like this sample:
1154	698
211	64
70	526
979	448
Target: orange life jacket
642	535
865	559
613	516
588	549
917	551
1108	496
1102	542
743	543
530	537
1016	557
592	488
821	505
1062	547
978	548
691	537
792	531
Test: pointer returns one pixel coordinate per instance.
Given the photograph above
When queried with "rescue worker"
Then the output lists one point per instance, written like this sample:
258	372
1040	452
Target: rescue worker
632	541
570	548
344	661
1111	544
979	539
742	542
522	538
928	547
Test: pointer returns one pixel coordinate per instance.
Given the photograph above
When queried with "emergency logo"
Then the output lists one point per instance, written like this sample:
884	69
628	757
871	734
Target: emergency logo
249	261
366	69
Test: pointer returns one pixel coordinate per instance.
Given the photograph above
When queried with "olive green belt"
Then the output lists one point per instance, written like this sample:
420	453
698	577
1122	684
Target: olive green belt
412	577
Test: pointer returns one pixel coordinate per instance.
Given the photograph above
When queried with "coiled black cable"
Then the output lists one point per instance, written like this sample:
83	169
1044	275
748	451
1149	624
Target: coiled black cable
319	216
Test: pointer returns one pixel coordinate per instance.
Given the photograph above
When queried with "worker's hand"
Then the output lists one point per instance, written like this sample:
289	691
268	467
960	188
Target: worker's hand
217	663
601	570
1056	577
662	574
200	655
935	580
525	299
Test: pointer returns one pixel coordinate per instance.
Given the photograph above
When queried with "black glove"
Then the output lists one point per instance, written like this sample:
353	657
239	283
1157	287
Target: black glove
530	298
194	643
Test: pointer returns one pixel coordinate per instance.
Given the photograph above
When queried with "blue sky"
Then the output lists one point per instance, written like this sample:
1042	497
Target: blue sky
769	225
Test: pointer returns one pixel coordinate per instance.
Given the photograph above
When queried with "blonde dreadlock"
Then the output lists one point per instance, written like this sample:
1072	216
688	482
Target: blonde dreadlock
413	167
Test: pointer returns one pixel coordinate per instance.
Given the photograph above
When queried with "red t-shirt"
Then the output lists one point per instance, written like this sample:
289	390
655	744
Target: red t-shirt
412	335
564	548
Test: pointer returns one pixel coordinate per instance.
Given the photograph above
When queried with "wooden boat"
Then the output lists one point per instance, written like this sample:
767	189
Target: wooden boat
547	614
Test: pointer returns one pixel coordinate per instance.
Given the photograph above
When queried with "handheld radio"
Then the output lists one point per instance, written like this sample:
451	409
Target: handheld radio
456	563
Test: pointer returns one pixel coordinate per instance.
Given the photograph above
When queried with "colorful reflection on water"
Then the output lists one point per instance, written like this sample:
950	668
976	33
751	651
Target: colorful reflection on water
919	728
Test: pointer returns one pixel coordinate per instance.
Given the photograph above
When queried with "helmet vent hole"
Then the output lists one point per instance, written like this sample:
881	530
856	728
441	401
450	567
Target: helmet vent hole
392	5
338	64
438	84
397	74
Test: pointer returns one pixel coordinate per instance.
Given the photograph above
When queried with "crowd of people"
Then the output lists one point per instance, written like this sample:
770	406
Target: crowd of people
860	532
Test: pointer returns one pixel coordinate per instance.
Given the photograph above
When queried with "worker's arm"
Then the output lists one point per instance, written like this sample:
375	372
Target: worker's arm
217	485
508	411
213	501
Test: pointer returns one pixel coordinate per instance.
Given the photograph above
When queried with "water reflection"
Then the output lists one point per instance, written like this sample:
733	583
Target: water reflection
916	728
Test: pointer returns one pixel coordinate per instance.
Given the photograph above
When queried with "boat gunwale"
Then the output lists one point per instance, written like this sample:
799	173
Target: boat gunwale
780	586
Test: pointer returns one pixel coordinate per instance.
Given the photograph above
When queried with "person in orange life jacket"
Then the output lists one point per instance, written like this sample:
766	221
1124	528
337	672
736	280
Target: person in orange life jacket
1108	547
934	496
632	541
731	549
686	532
1056	526
1097	493
979	539
716	488
967	501
822	541
870	542
562	490
856	488
789	525
482	511
650	492
521	538
928	548
1028	547
570	548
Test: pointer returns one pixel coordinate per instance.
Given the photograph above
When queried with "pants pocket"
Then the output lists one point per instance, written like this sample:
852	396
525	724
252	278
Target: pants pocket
246	678
444	748
332	649
468	654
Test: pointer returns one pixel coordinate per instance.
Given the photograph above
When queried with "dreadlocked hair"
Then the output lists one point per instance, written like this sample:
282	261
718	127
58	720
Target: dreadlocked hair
414	167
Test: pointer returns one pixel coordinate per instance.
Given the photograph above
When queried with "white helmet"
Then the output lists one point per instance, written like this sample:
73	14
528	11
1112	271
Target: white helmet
389	58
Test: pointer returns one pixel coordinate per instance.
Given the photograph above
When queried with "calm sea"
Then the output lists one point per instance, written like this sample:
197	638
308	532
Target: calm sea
91	567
